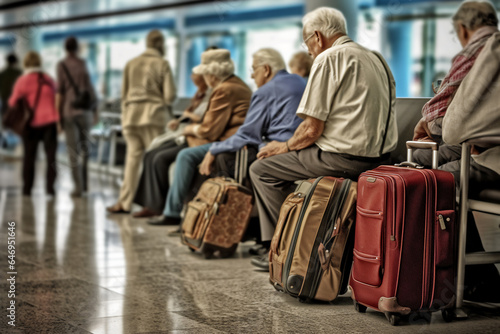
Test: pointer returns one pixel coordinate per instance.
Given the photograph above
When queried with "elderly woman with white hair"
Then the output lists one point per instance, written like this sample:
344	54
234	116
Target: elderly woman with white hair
227	109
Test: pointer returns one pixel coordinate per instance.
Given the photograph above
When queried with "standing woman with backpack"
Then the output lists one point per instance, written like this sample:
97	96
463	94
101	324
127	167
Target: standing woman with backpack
38	90
76	102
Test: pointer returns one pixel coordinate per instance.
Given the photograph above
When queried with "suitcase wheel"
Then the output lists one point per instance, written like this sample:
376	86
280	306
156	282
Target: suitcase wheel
228	252
447	315
426	316
278	287
207	254
192	249
359	308
394	318
304	300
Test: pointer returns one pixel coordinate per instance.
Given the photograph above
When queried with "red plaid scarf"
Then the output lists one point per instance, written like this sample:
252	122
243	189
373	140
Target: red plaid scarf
461	65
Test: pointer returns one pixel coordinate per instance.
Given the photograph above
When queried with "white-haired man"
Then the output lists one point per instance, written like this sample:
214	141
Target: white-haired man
348	124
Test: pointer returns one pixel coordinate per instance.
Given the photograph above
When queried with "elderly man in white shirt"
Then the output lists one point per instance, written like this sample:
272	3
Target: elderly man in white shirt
349	124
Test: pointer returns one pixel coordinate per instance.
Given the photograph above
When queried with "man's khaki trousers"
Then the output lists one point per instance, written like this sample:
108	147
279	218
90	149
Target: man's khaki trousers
138	140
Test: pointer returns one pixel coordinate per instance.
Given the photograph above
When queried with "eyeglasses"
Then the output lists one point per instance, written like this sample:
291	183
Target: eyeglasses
304	45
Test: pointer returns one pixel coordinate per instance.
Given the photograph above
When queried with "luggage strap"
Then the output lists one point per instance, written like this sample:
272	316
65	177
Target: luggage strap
240	166
70	78
41	82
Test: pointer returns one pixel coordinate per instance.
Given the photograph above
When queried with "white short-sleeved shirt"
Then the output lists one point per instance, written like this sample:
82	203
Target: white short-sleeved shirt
348	90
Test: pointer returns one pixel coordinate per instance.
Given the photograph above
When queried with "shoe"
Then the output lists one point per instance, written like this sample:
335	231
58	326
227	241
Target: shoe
117	208
165	221
144	213
175	233
258	249
262	262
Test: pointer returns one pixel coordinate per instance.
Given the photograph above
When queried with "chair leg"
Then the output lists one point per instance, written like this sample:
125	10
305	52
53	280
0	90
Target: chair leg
462	236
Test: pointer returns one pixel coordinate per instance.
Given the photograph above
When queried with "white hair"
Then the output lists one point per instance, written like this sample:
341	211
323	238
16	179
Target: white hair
270	57
328	21
476	14
220	70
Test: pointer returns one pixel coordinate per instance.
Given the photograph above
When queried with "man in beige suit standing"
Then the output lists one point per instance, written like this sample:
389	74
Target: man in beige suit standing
148	91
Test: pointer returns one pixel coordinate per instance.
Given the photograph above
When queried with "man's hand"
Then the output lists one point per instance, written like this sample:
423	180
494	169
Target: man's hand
59	128
173	124
206	164
273	148
95	119
422	132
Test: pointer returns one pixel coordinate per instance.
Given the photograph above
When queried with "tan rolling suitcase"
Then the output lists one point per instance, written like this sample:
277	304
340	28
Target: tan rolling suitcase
217	218
311	250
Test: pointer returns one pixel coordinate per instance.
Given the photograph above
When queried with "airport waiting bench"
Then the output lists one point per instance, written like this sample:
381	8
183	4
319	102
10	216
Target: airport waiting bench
486	200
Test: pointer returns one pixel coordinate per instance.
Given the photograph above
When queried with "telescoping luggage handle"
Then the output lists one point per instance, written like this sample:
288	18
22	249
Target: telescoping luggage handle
410	145
240	167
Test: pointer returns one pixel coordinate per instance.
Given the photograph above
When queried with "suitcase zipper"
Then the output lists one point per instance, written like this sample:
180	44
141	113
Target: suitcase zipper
329	238
291	251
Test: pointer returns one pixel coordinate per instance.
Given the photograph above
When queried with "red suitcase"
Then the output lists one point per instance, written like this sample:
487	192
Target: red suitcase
405	239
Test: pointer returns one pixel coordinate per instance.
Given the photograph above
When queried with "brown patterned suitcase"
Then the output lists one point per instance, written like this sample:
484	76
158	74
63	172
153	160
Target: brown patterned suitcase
311	251
217	218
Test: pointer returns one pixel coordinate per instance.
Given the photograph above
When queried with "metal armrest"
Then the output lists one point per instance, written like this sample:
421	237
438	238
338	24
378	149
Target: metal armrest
410	145
488	141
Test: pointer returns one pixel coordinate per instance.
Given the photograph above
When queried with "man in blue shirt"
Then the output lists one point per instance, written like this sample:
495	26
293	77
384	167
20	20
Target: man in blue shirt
271	116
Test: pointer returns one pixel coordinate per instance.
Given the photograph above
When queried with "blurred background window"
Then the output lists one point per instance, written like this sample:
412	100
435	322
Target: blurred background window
415	36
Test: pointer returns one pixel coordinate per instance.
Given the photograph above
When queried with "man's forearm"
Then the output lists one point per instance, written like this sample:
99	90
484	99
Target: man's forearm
306	134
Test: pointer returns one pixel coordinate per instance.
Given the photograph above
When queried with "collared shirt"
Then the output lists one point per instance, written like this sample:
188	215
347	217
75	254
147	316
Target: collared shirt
271	115
436	108
348	90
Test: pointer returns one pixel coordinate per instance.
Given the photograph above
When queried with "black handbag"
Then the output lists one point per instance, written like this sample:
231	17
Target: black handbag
18	117
82	100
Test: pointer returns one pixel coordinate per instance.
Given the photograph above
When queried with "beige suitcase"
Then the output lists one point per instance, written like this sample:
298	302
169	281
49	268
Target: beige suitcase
217	218
311	250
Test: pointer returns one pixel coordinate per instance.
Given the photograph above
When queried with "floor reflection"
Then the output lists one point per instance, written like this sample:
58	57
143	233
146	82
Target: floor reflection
82	271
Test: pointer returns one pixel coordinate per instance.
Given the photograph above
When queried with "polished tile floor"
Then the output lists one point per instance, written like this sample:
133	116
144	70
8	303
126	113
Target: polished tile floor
81	271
